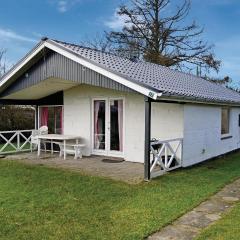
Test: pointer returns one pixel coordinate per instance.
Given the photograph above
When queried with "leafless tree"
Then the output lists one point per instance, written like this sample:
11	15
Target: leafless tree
102	43
154	30
2	62
225	81
98	42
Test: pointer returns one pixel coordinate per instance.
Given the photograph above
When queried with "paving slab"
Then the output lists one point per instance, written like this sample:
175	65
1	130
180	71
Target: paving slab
188	226
129	172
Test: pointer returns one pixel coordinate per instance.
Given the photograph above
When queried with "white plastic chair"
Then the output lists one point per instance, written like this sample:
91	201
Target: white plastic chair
43	130
34	138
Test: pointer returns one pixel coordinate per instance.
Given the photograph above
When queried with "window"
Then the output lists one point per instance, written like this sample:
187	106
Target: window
51	117
225	121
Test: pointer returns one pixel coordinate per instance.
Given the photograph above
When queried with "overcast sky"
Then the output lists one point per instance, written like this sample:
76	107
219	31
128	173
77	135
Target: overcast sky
24	22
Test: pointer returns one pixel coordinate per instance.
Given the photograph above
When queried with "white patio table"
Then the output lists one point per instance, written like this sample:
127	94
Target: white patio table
58	137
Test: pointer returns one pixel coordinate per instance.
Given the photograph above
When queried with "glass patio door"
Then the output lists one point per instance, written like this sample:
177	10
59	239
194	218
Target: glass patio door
99	122
108	127
116	125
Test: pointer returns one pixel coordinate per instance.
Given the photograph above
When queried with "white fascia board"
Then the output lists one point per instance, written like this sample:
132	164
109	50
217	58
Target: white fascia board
195	101
115	77
18	67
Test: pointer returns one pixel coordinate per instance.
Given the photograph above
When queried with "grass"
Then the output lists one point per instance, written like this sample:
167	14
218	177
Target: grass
10	148
37	202
226	228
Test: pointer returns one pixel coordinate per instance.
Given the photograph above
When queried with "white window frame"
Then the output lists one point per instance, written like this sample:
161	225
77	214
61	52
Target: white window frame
107	151
226	135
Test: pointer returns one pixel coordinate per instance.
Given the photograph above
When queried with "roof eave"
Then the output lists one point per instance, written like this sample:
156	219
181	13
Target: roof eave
46	43
187	99
21	63
120	78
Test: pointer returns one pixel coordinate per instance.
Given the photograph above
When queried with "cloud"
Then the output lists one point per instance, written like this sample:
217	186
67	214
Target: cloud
7	34
16	45
37	35
63	6
116	22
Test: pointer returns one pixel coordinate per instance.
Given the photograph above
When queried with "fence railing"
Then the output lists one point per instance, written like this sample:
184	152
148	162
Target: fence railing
165	156
15	141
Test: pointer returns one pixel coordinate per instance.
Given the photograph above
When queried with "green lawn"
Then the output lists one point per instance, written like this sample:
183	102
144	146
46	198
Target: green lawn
10	148
225	229
37	202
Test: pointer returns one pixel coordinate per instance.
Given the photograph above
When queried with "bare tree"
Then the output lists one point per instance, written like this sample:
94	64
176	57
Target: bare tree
98	42
2	62
102	43
154	30
225	81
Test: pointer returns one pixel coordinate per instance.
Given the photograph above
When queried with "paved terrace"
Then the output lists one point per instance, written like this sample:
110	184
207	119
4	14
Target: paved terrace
121	171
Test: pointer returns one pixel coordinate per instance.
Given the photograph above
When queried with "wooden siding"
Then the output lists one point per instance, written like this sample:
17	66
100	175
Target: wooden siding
55	65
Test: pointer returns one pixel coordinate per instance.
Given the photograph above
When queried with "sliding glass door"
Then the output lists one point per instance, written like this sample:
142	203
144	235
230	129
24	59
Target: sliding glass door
108	126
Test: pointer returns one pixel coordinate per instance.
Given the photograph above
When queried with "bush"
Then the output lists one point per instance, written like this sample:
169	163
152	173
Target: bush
16	118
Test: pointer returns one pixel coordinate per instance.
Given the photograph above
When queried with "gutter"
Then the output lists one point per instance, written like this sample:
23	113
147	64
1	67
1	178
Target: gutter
185	99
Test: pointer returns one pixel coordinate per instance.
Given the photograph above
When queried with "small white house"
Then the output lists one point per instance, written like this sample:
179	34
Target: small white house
124	108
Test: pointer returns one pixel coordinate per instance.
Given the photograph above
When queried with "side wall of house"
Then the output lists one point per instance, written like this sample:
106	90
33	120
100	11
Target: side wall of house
167	119
202	133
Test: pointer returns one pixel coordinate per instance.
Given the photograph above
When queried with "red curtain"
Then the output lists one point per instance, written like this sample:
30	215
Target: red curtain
44	116
52	116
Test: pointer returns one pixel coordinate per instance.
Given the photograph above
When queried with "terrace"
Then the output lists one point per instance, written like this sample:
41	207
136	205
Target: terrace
164	157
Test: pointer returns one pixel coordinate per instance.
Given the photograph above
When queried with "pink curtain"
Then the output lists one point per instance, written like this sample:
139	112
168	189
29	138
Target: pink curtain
120	124
96	128
44	116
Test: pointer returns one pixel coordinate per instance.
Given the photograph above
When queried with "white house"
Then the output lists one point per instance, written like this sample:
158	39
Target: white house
118	105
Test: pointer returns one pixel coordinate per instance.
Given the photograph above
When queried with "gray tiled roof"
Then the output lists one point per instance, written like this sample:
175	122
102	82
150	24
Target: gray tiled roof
162	79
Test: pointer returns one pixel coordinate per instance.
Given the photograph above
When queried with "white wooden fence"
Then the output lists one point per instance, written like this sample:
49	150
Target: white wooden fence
165	156
15	141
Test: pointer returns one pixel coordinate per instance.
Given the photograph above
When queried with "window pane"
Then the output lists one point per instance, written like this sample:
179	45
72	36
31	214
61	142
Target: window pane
116	125
225	121
99	124
52	118
43	116
58	120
